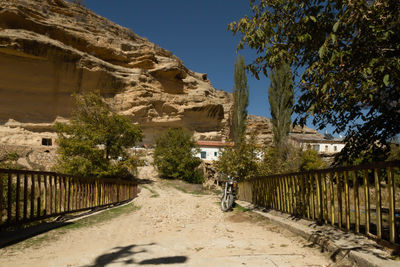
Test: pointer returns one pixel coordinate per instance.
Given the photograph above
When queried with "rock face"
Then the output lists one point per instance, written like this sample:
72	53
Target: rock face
262	127
50	49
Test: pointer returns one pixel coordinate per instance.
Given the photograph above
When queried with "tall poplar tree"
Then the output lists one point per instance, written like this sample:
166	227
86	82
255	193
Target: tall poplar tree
280	97
241	100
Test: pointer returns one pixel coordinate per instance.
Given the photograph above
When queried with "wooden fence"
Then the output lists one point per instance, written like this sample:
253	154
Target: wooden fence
27	196
356	198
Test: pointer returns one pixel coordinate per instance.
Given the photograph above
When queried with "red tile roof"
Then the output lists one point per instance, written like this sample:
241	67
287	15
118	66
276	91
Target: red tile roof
214	143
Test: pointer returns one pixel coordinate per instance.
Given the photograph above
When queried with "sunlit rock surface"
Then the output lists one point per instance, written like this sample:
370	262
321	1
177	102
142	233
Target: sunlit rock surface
51	49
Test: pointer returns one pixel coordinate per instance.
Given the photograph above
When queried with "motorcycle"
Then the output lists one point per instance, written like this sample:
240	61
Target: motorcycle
229	194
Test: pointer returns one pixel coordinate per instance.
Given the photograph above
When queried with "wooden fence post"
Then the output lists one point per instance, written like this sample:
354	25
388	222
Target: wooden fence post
46	199
39	198
32	196
391	189
378	204
17	198
347	199
340	200
366	202
9	203
356	202
319	196
25	216
1	198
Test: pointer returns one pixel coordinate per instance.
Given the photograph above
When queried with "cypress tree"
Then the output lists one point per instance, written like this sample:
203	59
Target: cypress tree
241	100
281	97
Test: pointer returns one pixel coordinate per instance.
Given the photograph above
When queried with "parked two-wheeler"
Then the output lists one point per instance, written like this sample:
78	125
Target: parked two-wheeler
229	194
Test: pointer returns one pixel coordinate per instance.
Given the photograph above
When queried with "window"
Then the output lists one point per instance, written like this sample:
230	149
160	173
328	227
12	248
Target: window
334	148
215	154
316	147
203	154
326	148
47	142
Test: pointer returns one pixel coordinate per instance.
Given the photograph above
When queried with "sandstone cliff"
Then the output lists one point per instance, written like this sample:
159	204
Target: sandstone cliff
50	49
263	128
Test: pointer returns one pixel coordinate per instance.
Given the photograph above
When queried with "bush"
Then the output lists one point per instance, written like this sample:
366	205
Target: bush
285	159
239	161
174	156
310	160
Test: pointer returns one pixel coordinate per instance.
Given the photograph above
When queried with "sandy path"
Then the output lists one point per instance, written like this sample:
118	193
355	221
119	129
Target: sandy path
175	229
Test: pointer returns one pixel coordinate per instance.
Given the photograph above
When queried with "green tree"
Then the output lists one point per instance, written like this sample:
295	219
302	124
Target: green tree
174	156
241	160
95	141
240	100
280	97
273	162
310	160
349	51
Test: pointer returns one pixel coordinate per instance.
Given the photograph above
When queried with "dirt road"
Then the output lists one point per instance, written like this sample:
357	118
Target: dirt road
172	228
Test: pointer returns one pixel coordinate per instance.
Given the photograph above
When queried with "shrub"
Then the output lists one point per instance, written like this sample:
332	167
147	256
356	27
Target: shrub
174	156
310	160
284	159
240	161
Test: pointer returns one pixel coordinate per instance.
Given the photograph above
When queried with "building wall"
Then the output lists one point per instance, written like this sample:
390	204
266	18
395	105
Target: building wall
324	148
209	153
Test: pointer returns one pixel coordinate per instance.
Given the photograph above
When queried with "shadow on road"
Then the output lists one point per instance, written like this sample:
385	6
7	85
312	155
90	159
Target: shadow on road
144	181
125	255
164	260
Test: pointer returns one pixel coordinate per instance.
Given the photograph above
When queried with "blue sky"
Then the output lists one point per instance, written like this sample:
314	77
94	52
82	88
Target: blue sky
196	32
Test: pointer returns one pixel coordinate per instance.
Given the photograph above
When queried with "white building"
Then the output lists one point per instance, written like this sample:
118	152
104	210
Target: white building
325	145
211	150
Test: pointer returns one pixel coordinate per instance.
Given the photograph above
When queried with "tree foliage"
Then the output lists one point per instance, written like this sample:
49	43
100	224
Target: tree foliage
239	161
350	51
280	160
174	156
281	97
250	160
95	141
240	100
310	160
9	161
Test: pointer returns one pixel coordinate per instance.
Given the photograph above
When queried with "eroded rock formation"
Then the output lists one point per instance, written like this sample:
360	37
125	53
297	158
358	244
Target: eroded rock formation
50	49
262	127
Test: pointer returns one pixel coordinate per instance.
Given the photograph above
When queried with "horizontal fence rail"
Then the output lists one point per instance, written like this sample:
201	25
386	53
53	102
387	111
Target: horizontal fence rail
362	199
27	196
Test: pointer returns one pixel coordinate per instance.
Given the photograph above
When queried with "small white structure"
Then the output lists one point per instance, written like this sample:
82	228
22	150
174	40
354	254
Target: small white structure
211	150
326	145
